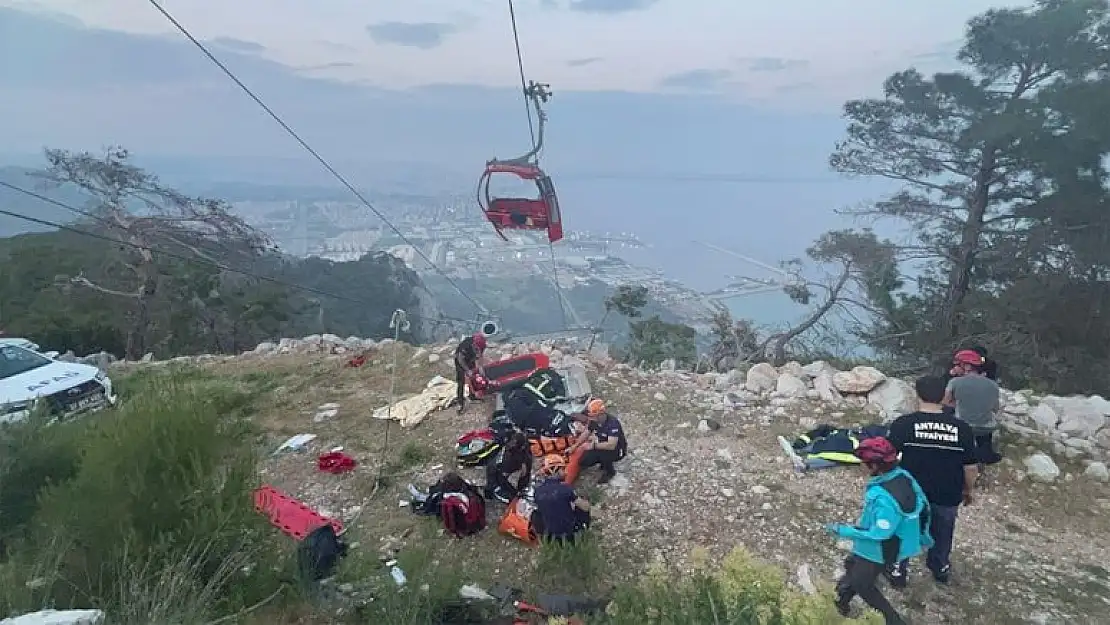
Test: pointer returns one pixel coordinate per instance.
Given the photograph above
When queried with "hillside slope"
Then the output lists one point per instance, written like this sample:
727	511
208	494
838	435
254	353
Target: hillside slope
704	472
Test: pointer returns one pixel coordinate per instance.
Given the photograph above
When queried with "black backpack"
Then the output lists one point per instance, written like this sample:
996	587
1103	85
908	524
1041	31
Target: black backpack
319	552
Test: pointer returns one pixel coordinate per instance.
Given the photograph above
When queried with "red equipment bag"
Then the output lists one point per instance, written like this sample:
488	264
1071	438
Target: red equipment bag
336	462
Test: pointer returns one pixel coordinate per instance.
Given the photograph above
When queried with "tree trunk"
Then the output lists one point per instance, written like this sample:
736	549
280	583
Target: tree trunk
782	340
959	277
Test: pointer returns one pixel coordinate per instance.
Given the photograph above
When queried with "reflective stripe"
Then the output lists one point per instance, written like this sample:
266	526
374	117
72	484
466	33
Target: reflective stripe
837	456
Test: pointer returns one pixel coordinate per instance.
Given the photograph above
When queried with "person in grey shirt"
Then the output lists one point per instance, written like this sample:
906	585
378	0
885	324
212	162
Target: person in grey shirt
976	399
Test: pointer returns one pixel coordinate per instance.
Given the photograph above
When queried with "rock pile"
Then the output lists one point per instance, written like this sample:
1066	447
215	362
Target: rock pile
1076	428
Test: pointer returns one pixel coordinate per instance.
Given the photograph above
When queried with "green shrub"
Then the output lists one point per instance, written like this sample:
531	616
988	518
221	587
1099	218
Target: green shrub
156	524
33	456
741	591
430	590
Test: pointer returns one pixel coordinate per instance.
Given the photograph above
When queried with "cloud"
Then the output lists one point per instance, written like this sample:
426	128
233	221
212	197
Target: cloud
610	6
239	45
794	87
324	66
422	35
697	80
773	64
590	60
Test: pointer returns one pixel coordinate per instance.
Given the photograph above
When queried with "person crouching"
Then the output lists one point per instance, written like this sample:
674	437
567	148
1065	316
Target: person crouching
514	458
893	526
561	514
604	447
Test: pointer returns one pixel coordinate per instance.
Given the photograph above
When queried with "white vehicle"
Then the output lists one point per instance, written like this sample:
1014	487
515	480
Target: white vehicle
24	343
28	377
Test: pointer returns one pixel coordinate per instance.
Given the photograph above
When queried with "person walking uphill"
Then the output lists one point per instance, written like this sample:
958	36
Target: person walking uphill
892	527
938	450
976	399
468	361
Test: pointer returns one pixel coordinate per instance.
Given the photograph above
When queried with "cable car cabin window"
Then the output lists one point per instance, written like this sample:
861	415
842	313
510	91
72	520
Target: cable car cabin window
547	191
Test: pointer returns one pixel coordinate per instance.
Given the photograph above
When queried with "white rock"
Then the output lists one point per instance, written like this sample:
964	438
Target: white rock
826	388
660	397
57	617
788	385
1044	417
1079	416
1097	471
793	368
1041	468
894	398
761	378
817	368
859	380
433	358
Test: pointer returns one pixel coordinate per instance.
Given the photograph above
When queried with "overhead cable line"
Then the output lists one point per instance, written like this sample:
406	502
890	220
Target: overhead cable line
175	255
308	148
523	79
535	147
221	266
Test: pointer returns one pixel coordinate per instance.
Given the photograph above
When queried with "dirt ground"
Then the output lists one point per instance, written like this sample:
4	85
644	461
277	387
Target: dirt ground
1025	552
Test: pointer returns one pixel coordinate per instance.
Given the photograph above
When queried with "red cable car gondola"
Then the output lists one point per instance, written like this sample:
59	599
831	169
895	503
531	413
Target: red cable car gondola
514	213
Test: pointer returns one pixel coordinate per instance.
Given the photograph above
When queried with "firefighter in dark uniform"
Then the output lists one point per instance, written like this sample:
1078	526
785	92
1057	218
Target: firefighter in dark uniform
468	361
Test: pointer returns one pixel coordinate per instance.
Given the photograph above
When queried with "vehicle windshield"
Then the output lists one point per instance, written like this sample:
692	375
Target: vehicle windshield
16	360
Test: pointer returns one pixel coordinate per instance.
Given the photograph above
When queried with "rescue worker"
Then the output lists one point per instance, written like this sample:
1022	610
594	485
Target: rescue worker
561	514
939	451
606	444
990	366
513	458
468	362
976	400
893	526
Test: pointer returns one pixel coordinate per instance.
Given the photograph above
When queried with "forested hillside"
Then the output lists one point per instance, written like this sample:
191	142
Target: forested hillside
152	270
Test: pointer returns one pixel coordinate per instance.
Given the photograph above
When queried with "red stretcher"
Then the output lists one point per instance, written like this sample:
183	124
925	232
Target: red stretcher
504	373
292	517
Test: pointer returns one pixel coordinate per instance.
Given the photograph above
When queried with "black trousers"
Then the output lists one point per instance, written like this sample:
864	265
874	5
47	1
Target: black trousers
460	381
581	524
984	448
601	457
860	577
942	527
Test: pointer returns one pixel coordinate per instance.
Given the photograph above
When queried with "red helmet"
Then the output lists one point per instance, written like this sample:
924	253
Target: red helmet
479	340
478	382
968	357
876	449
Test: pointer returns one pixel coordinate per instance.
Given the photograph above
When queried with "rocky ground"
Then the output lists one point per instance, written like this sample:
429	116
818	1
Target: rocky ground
704	471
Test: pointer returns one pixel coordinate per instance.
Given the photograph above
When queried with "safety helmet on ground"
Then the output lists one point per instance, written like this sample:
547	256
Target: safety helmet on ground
552	464
876	450
595	407
479	340
968	357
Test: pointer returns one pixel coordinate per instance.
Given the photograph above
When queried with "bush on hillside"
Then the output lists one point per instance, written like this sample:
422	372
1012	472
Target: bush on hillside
741	591
155	521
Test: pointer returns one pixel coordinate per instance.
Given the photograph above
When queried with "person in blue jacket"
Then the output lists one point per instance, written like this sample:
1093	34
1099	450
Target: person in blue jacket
893	526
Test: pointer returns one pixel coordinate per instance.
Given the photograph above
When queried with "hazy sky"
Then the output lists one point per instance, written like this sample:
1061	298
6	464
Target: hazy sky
678	119
756	50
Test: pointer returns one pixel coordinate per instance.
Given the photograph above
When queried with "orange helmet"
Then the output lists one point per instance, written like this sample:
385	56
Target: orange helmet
552	463
595	408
